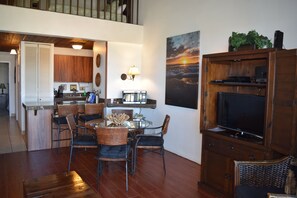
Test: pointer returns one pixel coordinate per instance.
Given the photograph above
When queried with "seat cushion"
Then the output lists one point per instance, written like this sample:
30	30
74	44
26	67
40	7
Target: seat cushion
244	191
85	140
60	120
86	118
113	151
150	141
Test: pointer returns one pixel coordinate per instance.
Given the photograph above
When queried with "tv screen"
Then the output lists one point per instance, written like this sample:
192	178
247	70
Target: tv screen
241	112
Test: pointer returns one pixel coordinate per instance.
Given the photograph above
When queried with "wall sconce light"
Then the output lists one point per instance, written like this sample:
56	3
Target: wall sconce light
133	71
77	46
13	51
2	86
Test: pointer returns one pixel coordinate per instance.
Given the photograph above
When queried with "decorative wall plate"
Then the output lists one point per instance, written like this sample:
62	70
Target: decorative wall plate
98	79
98	60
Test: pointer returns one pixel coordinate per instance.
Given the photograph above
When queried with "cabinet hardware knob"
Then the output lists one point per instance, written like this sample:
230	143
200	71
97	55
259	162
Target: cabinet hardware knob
227	176
252	157
211	144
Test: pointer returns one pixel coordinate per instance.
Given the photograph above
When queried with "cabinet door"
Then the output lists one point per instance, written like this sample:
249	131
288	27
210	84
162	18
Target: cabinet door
73	69
30	71
64	66
83	71
216	171
284	104
88	69
45	70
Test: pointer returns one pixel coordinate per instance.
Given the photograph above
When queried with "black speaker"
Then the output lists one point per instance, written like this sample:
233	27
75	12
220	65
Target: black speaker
278	39
261	74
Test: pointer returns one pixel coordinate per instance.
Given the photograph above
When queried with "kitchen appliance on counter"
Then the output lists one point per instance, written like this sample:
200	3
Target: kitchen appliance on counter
60	92
134	97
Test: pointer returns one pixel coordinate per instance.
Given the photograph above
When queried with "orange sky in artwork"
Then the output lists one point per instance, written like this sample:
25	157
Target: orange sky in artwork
183	60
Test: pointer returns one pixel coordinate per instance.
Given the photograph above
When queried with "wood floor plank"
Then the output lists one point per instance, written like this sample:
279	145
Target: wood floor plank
148	181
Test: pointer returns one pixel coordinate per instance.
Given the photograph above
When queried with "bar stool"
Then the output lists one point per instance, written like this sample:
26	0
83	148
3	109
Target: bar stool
60	121
92	112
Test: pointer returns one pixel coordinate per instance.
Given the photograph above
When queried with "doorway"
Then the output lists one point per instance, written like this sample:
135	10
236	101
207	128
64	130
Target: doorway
11	139
4	89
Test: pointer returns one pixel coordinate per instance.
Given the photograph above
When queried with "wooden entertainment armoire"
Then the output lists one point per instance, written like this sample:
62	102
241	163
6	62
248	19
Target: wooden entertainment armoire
220	149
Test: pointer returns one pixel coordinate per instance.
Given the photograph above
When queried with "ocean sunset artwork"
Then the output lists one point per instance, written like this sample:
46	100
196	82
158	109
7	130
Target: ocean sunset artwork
182	70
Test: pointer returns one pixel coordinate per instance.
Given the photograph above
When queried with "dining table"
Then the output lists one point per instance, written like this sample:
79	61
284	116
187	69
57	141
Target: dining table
130	124
135	126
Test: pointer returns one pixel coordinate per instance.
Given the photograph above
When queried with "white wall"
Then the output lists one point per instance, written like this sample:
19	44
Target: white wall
215	20
5	57
120	56
100	48
66	25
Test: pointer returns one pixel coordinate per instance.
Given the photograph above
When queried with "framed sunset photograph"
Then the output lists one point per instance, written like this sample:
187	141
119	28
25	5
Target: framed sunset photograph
182	70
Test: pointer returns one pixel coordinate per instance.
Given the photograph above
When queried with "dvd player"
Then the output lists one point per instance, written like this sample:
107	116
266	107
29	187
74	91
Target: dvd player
242	79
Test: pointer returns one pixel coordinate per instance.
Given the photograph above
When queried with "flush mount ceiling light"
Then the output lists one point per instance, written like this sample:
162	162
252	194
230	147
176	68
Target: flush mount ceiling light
77	46
13	51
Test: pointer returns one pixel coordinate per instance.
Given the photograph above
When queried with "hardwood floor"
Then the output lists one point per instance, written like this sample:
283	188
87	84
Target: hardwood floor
148	181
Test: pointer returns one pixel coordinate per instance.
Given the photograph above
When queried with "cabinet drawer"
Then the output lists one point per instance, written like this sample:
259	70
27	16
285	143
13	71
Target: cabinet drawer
233	150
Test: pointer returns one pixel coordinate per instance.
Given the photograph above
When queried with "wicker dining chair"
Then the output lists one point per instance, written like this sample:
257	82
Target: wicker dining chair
113	146
78	140
152	142
59	121
257	178
92	112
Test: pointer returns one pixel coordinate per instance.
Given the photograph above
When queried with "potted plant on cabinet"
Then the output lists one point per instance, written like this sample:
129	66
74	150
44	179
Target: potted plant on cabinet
251	40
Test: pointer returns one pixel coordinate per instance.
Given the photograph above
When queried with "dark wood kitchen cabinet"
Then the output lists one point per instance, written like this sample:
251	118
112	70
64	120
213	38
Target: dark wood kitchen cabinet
221	148
73	68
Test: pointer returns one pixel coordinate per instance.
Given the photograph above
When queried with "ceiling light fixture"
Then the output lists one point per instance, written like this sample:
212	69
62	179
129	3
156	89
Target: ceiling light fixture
77	46
13	51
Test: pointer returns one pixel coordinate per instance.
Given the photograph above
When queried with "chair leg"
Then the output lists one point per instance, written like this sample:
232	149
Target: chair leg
70	158
134	160
59	130
127	185
52	131
164	166
100	167
98	174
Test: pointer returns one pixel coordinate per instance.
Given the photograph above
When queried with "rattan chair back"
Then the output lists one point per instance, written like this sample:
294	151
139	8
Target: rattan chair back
91	109
112	136
71	122
64	110
267	173
165	124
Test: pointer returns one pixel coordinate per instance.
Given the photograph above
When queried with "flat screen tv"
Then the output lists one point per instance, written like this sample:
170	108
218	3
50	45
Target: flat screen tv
241	112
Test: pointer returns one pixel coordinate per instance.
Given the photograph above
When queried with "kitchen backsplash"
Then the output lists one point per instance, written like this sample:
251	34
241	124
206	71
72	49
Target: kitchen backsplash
68	87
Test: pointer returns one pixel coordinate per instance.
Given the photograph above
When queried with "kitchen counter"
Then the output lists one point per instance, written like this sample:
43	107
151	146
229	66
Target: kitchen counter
70	98
39	122
39	105
119	103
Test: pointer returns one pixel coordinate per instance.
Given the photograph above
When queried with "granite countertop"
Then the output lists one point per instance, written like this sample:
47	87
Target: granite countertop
41	105
38	105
